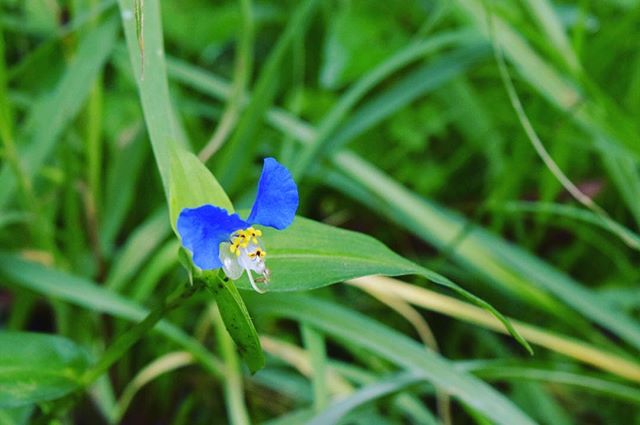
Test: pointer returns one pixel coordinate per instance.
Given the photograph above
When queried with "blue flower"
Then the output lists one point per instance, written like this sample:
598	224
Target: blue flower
219	239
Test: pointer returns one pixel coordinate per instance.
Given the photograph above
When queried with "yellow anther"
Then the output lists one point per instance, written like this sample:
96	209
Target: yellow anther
253	234
259	253
239	239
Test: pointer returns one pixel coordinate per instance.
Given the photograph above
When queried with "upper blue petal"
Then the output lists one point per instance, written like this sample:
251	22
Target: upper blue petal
202	230
277	199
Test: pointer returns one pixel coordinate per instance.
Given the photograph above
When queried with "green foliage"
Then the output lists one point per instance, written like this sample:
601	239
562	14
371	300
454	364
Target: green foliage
236	319
38	367
487	147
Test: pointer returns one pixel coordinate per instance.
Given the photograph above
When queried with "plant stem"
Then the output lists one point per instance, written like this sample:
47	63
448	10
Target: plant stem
119	348
133	335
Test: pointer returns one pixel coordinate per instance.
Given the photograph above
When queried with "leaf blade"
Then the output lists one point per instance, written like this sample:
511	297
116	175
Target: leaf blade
38	367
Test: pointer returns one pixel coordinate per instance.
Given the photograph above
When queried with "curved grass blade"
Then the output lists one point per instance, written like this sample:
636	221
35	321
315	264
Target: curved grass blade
563	344
496	371
624	233
367	394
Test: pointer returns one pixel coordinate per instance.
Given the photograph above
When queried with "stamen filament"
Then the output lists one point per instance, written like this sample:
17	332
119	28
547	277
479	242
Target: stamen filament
253	283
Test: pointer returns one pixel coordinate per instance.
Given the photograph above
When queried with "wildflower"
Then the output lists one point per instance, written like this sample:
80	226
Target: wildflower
219	239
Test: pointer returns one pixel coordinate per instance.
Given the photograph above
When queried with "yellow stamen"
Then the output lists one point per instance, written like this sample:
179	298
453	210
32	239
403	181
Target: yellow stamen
260	253
253	234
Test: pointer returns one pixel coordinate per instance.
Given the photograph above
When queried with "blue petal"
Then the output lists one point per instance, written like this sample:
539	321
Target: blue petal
202	230
277	199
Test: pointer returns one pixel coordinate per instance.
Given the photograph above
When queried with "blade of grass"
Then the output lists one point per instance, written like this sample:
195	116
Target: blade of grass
497	371
163	126
426	336
367	394
139	246
300	360
337	375
573	348
218	88
413	86
574	213
158	367
611	130
10	152
124	167
30	60
546	157
164	260
549	21
314	344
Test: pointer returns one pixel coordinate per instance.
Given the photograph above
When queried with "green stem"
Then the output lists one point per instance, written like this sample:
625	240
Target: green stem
117	350
133	335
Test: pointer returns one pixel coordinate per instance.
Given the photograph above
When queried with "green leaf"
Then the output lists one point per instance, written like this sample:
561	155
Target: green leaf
236	319
192	185
310	255
38	367
360	331
163	126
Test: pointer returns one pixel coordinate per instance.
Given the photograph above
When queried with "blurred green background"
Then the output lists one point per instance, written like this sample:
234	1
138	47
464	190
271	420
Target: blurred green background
493	141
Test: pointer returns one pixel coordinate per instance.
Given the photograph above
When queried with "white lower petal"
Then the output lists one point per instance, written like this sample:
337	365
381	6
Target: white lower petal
230	264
